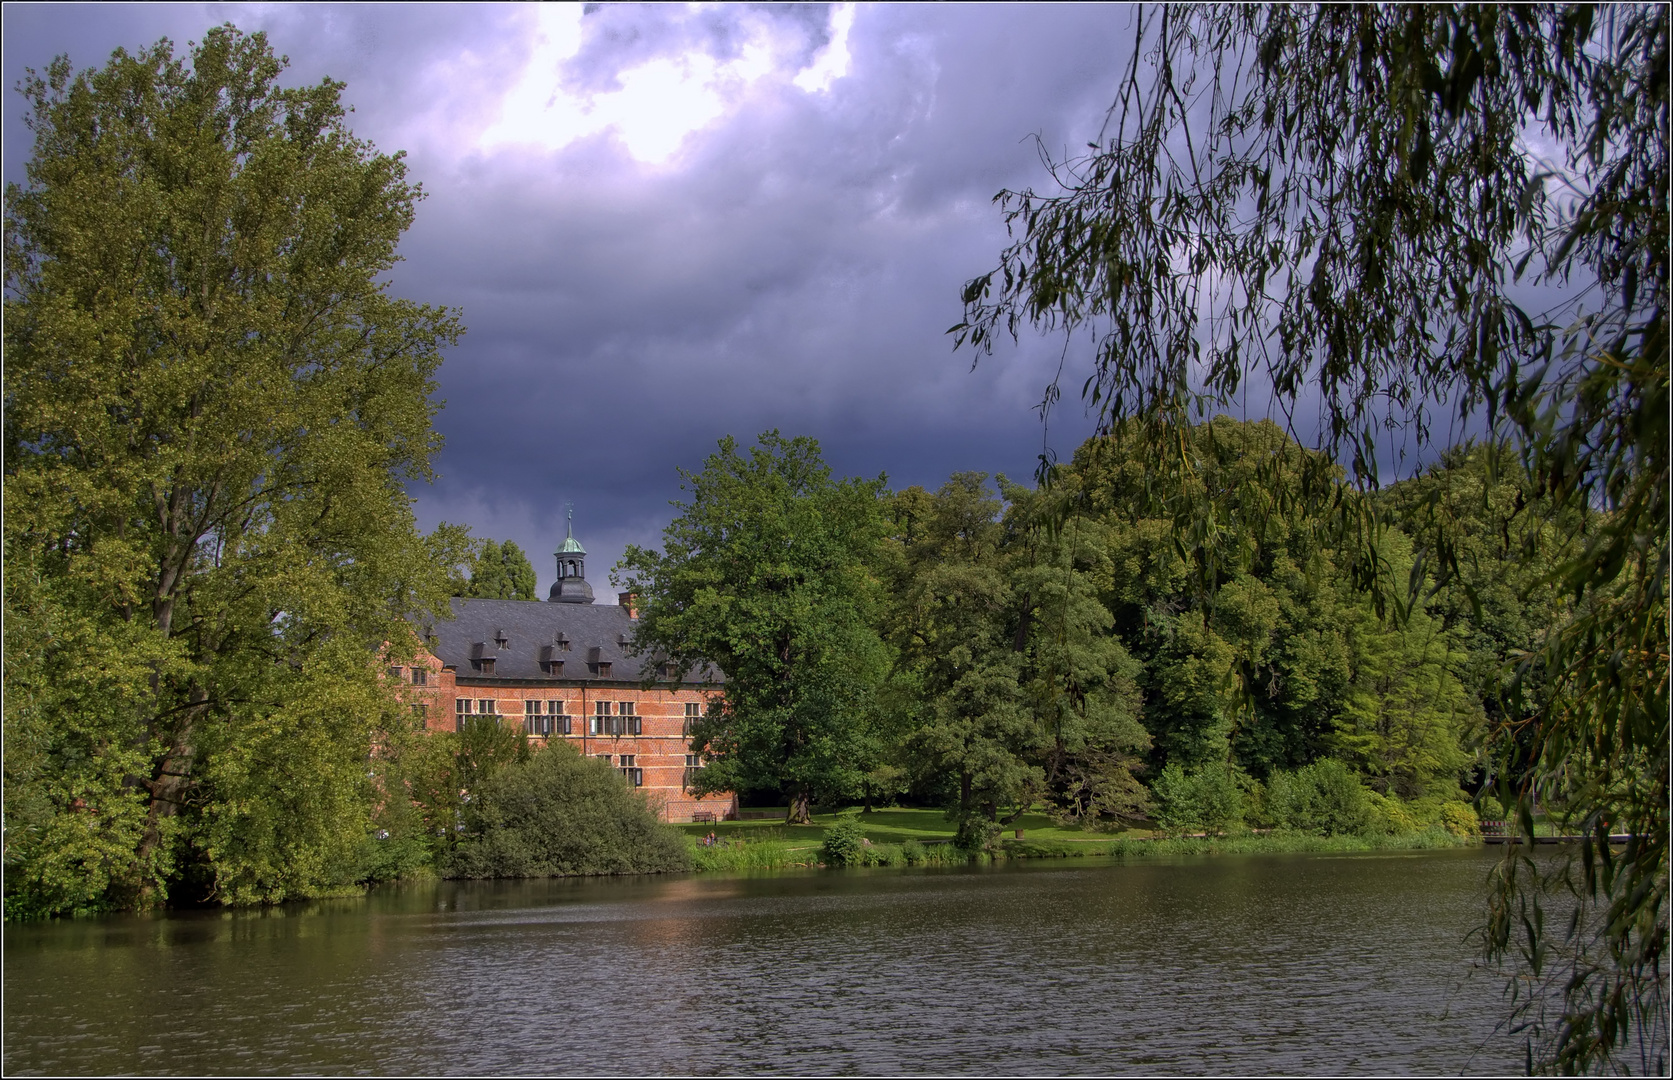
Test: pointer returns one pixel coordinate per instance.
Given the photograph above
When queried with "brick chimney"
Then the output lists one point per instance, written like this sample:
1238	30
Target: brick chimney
630	601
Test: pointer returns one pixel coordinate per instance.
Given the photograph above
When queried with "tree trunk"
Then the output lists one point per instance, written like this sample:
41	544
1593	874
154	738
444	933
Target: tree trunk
798	814
168	786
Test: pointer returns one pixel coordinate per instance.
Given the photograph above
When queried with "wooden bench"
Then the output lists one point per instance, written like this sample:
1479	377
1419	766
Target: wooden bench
702	817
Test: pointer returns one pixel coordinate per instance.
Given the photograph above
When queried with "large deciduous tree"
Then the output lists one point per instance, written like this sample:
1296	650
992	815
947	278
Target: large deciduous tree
1338	205
766	573
1023	696
212	404
499	572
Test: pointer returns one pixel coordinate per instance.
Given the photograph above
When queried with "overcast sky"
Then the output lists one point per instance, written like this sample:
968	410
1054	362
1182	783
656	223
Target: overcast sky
669	224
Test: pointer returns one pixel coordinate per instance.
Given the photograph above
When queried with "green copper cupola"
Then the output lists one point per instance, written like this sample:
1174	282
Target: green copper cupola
571	586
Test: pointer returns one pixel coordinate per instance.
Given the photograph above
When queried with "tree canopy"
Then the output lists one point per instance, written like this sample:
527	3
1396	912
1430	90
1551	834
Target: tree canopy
765	572
498	572
212	406
1340	207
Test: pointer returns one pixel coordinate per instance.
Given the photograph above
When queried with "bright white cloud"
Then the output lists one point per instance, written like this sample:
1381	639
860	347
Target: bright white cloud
832	62
660	102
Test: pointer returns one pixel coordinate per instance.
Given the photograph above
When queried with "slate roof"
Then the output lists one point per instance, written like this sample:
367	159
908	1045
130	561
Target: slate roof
596	633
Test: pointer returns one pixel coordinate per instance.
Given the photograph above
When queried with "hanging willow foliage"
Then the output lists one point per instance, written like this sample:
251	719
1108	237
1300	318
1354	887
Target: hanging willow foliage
1340	206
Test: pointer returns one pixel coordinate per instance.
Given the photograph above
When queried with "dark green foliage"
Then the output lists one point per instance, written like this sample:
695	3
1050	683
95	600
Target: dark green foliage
1022	694
1207	799
766	573
1254	644
559	813
499	572
440	774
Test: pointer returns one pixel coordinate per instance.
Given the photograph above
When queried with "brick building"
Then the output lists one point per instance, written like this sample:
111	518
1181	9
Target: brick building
563	670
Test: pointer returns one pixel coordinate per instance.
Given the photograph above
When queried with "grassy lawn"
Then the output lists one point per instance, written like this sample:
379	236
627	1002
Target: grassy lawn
893	826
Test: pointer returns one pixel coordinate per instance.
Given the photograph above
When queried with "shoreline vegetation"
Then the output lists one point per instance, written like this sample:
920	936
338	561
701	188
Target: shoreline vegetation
782	854
901	837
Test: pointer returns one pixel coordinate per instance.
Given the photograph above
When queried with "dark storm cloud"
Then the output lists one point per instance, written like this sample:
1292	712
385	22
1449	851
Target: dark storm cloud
794	265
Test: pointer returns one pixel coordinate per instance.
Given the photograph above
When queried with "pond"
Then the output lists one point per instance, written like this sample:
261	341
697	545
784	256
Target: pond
1228	964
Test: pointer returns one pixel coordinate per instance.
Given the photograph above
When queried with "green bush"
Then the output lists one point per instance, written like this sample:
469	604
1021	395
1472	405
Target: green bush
559	813
1325	797
1338	804
1203	800
913	851
975	833
1390	816
845	842
1460	818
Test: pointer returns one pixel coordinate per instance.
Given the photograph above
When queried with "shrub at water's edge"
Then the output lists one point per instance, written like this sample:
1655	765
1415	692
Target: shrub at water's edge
772	854
559	814
845	842
1239	844
753	855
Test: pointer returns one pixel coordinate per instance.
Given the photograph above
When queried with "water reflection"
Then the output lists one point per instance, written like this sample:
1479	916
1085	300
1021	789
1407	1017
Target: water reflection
1295	964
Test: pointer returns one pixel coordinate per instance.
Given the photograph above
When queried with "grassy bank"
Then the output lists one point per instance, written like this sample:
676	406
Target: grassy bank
914	837
1242	844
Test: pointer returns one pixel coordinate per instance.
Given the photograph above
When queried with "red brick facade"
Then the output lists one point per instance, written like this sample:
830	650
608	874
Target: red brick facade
642	732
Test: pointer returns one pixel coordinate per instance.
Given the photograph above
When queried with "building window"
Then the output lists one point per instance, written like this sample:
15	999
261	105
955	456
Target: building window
693	713
394	673
551	721
617	721
421	711
487	707
461	709
603	669
420	676
634	774
692	764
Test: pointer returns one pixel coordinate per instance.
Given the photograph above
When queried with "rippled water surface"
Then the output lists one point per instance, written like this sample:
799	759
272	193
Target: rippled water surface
1258	964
